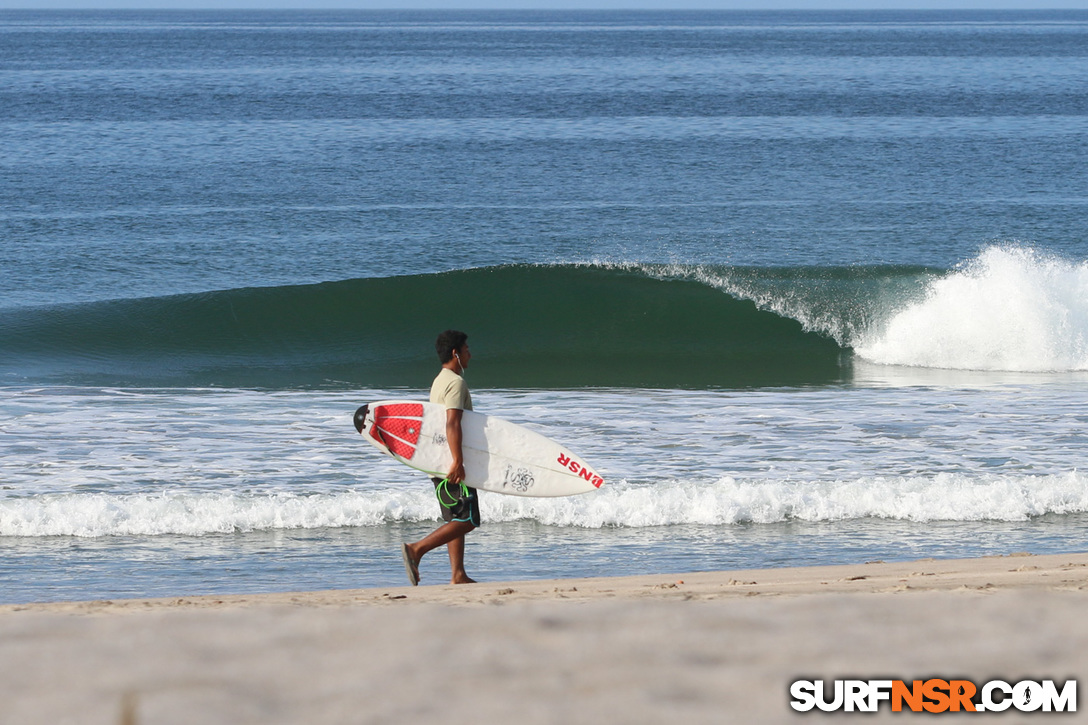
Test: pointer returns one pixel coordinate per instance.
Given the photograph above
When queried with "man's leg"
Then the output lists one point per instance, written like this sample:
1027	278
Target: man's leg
448	533
456	549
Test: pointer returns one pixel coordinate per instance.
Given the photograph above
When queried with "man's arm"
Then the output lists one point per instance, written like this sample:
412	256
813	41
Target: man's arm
453	437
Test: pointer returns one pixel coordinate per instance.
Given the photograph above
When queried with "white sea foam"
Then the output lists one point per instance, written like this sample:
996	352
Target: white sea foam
195	514
944	497
80	442
1011	309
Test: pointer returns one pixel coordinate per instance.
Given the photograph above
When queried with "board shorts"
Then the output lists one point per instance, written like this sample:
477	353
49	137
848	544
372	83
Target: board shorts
458	502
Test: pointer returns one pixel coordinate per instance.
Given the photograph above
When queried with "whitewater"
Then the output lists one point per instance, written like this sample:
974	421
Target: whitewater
132	461
107	478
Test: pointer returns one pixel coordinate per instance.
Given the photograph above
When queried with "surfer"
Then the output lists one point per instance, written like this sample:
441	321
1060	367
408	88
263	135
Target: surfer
460	504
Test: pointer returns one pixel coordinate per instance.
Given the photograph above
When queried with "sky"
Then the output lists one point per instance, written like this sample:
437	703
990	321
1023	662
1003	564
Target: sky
549	4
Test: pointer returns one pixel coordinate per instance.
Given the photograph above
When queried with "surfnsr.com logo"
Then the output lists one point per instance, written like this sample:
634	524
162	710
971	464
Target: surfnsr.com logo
933	695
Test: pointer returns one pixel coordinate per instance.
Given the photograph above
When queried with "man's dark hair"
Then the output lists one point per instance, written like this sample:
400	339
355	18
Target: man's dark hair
449	342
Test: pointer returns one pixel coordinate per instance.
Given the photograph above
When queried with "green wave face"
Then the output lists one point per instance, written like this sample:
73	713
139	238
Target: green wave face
528	326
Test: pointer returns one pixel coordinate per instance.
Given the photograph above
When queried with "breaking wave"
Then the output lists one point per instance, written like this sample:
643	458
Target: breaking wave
556	326
942	497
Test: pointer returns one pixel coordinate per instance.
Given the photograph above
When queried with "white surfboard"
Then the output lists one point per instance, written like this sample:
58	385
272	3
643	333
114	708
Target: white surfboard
500	456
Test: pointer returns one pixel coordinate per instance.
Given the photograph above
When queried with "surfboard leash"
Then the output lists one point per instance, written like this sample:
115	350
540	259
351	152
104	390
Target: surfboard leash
444	487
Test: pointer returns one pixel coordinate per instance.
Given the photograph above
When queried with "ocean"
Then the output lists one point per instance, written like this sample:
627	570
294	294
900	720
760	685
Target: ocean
804	287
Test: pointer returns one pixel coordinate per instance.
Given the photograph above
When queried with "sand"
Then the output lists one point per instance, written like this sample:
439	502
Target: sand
712	647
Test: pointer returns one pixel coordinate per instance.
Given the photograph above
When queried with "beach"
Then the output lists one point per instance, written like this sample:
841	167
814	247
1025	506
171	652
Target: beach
695	647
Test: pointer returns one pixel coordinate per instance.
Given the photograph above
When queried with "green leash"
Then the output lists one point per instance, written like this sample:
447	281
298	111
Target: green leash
443	487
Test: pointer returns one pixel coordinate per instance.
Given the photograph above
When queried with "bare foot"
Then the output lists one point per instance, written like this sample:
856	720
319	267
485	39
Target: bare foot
463	579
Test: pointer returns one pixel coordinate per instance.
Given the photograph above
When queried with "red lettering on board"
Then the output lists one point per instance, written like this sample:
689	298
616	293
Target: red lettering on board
576	468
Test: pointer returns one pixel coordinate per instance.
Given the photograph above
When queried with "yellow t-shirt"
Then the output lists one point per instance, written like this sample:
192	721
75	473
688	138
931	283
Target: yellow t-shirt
449	389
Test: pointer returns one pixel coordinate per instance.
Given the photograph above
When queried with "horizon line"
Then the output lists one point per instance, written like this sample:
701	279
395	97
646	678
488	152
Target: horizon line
556	5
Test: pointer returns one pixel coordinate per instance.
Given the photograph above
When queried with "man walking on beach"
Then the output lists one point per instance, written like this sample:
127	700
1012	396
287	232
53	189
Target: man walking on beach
459	503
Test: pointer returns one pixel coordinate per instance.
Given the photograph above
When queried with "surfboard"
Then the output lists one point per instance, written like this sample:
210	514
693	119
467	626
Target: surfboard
500	456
